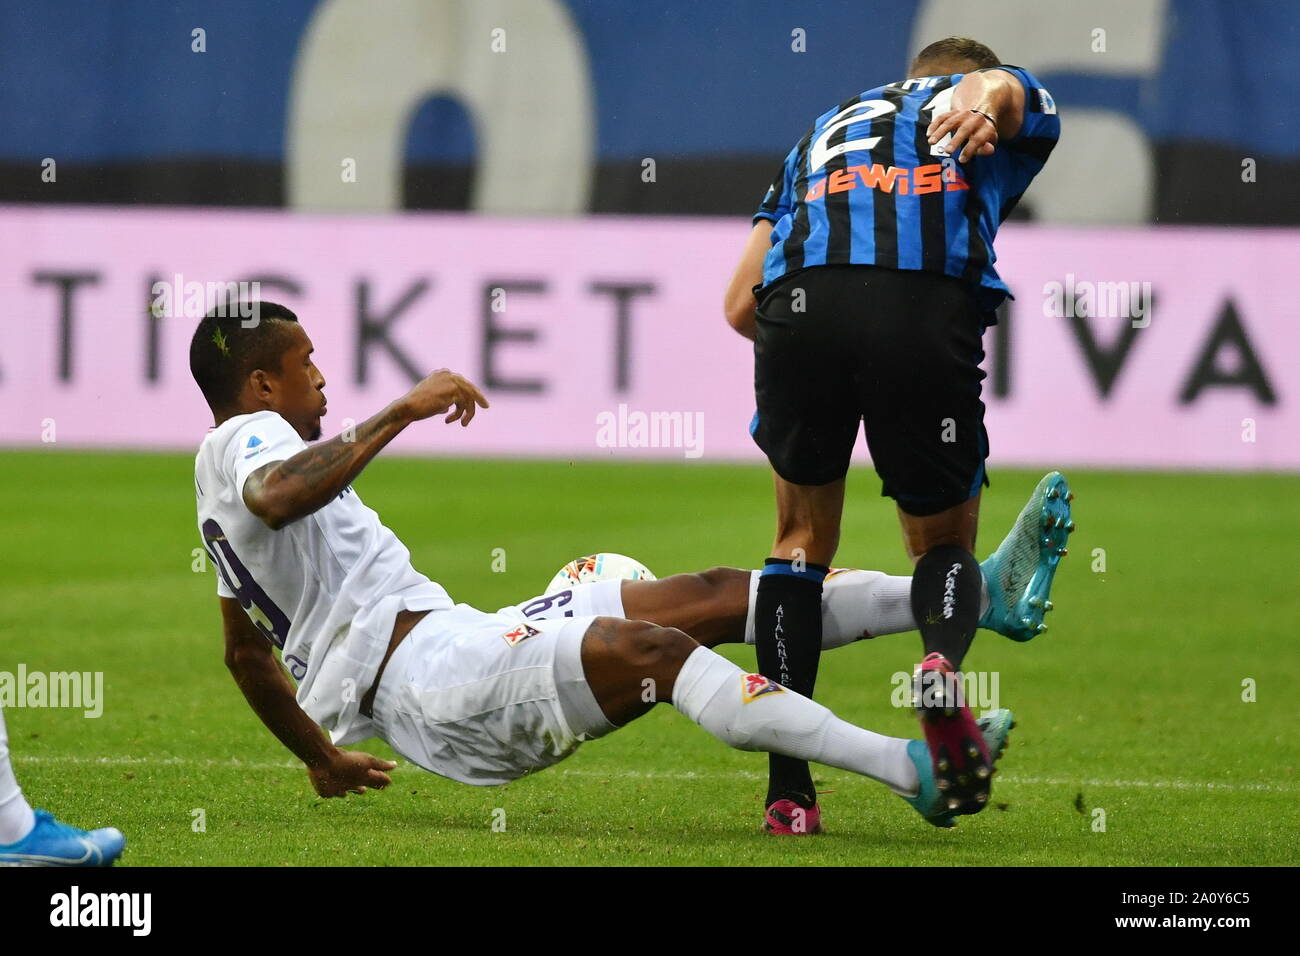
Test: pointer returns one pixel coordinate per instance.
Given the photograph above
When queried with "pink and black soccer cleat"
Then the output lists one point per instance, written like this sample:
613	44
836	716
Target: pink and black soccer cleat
962	766
787	817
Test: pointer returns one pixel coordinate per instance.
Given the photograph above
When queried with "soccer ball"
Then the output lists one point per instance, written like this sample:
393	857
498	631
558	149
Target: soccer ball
605	566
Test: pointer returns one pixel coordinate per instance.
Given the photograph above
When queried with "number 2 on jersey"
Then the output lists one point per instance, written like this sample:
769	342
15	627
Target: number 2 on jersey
822	152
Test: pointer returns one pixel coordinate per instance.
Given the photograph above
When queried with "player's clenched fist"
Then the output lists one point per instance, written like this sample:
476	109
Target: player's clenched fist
350	771
441	391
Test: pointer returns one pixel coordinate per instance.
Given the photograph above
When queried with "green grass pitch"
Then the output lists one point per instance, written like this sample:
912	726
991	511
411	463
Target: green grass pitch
1131	704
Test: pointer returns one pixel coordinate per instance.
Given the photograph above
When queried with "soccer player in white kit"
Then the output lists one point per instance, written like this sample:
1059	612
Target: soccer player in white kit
376	648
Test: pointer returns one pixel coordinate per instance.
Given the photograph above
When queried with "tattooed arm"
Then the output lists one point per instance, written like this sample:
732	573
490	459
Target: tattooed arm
268	690
285	491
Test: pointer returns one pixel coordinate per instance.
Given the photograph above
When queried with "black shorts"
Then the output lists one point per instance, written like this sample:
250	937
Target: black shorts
898	350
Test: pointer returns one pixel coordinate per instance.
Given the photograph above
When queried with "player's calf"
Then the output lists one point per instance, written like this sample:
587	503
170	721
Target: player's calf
711	606
947	590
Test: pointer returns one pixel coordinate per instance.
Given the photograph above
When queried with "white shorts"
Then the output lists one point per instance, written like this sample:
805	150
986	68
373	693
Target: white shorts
485	698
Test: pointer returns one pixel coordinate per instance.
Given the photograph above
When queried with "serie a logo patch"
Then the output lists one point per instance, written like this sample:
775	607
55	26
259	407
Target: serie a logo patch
754	686
255	446
518	634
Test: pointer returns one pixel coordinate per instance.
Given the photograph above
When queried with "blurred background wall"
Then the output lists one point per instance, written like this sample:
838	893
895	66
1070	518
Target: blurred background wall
431	182
558	111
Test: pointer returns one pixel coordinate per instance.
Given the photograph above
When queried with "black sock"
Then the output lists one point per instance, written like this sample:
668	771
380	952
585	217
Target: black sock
946	593
788	639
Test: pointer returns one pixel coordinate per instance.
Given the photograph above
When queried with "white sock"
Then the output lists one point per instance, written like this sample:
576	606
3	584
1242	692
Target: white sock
858	604
749	712
16	817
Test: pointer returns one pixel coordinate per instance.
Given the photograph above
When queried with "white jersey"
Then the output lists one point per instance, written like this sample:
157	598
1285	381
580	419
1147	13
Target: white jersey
325	589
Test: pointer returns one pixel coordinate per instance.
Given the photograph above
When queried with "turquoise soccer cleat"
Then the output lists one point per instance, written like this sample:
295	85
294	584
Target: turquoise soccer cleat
928	802
995	727
51	843
1019	573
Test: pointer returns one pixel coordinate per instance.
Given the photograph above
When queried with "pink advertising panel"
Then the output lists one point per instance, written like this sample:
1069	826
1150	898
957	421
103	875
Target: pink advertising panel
600	337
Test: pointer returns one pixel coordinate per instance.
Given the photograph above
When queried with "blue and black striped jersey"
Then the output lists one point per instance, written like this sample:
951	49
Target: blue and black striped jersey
864	186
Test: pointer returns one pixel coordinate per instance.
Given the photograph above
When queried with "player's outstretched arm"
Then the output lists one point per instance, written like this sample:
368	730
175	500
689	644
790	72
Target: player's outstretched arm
266	687
987	107
285	491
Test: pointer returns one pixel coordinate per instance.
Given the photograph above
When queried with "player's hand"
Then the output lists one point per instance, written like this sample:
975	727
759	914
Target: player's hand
350	771
974	134
441	391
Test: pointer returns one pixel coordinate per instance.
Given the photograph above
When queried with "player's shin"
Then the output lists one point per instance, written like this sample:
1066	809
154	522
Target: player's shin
750	712
947	594
788	629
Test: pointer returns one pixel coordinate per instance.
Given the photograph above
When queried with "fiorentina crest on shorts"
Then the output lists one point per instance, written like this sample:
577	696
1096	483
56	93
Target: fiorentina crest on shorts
754	686
521	633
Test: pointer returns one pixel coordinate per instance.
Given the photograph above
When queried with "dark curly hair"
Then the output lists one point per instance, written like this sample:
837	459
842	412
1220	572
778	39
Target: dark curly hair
224	352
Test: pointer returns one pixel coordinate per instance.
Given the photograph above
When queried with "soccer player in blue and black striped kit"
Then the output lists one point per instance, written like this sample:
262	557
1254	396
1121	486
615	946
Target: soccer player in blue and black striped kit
866	285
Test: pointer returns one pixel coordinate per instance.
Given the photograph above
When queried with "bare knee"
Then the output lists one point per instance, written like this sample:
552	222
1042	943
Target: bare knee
657	652
709	605
632	665
955	526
